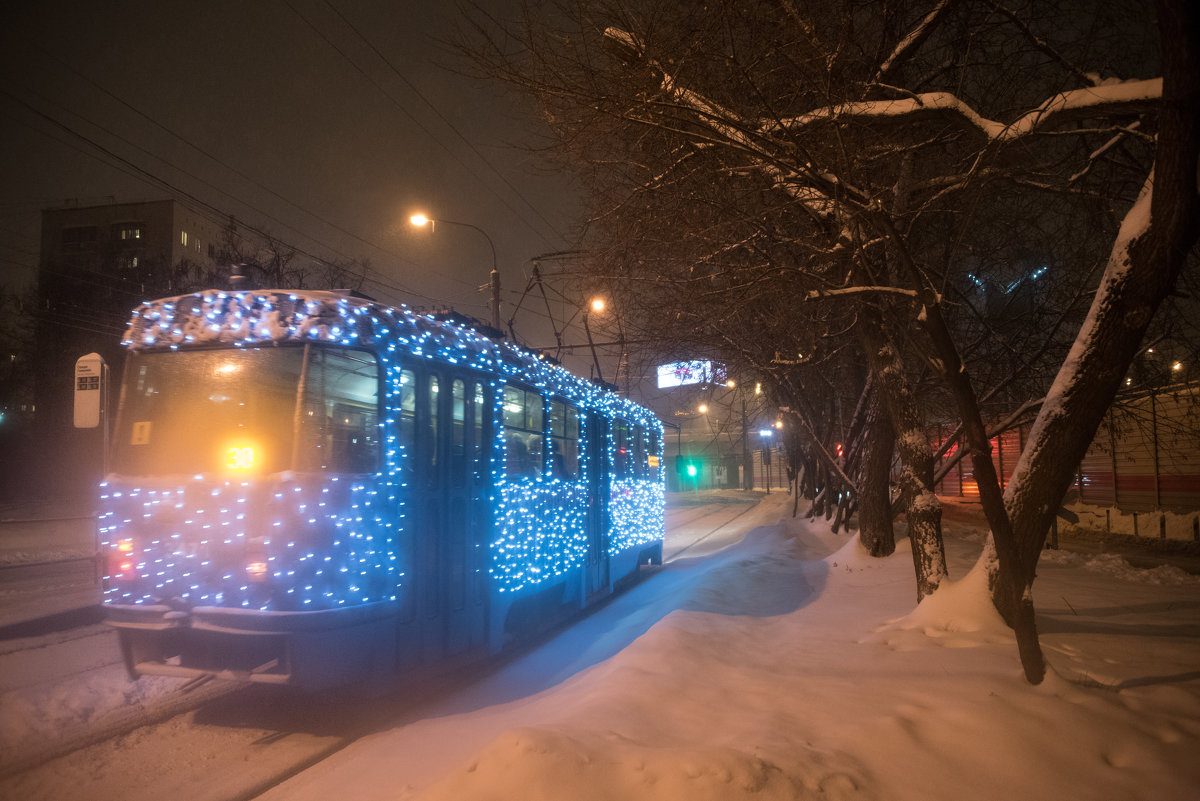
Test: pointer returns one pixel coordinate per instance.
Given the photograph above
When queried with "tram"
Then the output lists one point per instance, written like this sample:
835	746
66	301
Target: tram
313	488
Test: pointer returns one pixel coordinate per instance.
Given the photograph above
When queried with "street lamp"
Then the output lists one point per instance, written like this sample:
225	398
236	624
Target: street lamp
419	220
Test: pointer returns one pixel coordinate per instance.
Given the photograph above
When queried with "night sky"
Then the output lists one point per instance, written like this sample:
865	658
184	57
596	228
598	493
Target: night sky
325	123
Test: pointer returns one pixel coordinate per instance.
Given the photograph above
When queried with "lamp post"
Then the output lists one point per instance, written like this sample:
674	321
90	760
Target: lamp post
420	220
768	437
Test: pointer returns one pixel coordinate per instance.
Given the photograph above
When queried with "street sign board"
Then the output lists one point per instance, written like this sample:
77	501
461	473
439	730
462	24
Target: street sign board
89	390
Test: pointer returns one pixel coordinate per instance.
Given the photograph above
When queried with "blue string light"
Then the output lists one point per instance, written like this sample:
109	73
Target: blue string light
324	541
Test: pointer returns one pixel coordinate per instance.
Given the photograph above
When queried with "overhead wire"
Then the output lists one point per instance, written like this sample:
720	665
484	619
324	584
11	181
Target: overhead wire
94	84
369	275
220	218
375	277
445	121
200	206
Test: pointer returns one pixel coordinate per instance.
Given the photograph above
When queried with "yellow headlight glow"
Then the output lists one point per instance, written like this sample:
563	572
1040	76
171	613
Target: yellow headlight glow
240	457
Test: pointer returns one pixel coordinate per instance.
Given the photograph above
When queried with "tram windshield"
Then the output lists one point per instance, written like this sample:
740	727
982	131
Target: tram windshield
248	411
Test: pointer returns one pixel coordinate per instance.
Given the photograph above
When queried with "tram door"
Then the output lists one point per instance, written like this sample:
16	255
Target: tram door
599	490
448	512
466	509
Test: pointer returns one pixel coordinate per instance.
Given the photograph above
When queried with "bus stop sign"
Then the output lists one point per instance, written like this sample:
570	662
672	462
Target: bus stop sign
89	393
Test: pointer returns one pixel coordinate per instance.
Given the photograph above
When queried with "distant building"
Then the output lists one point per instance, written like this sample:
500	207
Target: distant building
123	239
97	263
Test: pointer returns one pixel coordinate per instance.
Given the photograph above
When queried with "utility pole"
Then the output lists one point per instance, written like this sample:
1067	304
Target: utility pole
495	297
747	463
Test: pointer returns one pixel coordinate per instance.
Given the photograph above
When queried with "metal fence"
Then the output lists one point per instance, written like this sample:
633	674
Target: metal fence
1145	457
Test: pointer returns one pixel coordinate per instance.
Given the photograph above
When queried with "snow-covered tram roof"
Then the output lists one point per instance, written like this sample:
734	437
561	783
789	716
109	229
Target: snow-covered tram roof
253	318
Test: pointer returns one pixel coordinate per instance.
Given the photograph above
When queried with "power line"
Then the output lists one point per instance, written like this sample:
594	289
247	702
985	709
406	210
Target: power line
438	140
201	207
225	165
221	216
373	275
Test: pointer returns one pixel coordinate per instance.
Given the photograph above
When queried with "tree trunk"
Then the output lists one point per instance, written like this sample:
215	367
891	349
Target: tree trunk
1012	584
921	506
1150	250
874	497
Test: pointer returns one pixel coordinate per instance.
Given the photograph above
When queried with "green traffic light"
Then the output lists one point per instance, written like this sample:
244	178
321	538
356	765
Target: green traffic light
691	469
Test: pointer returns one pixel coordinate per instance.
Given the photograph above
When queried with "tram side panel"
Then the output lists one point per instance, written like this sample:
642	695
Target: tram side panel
636	498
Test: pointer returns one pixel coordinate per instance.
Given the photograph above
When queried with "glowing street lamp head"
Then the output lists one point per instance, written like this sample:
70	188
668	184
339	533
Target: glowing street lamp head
418	220
702	408
597	304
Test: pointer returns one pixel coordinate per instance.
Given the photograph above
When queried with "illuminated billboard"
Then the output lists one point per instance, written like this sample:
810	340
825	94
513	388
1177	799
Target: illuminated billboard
678	374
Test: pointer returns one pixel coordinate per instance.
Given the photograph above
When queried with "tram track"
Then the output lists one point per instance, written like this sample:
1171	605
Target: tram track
694	543
704	510
266	736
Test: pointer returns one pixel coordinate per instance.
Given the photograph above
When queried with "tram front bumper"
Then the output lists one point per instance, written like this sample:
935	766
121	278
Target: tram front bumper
309	649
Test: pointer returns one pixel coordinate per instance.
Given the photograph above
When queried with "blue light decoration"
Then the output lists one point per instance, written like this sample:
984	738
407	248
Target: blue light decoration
290	541
636	508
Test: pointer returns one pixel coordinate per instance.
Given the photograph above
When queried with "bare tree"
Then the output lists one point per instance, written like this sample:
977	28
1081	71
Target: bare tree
842	171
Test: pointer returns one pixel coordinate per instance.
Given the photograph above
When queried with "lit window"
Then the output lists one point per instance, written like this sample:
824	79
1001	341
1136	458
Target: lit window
128	231
564	441
523	431
183	238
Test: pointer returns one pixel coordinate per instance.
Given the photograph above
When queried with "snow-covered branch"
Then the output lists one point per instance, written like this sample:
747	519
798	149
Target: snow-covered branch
1058	109
734	130
914	39
859	290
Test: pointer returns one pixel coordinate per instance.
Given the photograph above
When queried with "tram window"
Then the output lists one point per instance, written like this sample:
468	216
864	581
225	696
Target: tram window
622	449
564	441
408	415
523	433
182	412
458	424
339	423
643	452
254	410
430	433
479	469
654	457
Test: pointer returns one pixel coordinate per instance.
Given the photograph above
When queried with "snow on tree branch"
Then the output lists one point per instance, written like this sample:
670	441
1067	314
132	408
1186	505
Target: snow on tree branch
1135	225
914	39
858	290
817	192
1055	110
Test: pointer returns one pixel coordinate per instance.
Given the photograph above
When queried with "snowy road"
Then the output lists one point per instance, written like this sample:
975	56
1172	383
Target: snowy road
47	566
768	659
242	743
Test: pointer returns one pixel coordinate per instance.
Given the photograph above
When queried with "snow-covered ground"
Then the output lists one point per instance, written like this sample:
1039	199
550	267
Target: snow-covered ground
777	661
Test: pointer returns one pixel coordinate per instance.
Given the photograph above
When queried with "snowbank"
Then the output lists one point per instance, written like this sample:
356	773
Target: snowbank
777	662
779	676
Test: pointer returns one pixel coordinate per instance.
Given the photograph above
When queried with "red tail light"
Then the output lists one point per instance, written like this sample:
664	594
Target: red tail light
121	559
